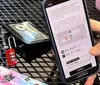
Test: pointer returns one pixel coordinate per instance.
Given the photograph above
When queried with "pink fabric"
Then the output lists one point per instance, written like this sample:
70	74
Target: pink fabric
98	4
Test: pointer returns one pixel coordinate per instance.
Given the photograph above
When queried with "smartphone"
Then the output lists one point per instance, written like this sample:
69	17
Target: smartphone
71	37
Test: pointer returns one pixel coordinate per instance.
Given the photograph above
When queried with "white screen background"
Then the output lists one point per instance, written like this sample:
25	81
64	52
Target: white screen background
69	26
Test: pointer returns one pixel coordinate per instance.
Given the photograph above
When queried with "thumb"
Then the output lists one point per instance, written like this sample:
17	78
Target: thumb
95	50
90	80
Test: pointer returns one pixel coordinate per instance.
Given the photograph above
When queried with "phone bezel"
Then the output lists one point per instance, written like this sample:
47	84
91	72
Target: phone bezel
68	80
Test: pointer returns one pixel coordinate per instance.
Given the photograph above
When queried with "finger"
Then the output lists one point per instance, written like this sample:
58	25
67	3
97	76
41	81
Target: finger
95	50
95	25
90	80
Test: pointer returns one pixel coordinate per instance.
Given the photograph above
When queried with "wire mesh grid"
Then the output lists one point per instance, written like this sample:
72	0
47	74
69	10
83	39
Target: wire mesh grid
44	68
93	12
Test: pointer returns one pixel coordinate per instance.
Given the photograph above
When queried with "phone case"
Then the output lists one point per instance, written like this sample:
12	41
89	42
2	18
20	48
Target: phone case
27	32
55	48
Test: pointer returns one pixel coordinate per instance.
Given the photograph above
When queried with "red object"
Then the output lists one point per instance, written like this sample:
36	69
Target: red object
11	57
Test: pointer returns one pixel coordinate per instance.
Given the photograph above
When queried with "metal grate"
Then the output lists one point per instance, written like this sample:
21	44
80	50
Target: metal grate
93	12
44	68
14	11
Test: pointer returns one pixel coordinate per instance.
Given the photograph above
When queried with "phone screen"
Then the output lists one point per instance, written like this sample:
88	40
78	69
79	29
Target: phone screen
70	30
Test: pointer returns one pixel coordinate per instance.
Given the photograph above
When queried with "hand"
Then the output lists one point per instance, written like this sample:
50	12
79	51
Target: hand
95	51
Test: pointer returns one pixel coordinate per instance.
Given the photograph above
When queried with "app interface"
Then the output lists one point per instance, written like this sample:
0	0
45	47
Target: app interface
70	30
